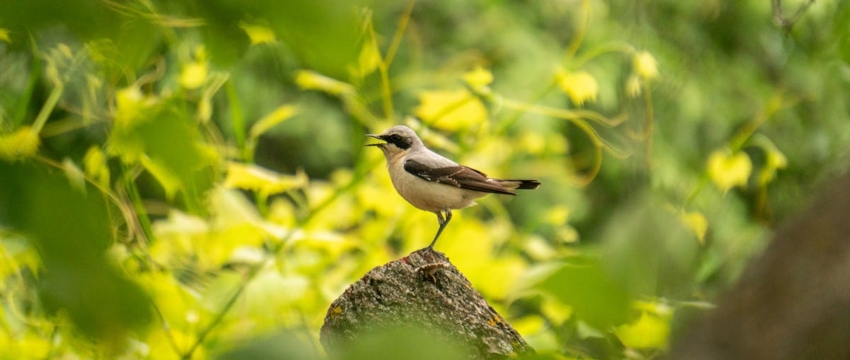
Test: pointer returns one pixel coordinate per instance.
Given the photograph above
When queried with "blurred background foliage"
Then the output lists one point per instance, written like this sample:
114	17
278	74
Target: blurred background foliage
188	179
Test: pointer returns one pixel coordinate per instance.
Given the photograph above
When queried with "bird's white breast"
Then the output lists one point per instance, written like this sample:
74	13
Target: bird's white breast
426	195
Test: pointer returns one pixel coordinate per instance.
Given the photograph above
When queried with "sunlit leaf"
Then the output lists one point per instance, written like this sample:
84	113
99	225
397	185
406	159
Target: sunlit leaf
478	77
130	103
16	255
556	311
279	115
648	332
633	86
728	170
450	109
19	145
774	160
28	345
369	59
164	138
194	74
645	65
696	222
580	86
266	182
309	80
4	35
94	163
270	291
259	34
72	231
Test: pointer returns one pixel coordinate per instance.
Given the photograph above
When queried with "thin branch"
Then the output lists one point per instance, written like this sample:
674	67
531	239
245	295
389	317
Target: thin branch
786	23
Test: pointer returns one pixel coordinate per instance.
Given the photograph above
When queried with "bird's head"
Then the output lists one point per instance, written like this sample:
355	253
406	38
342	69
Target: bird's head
398	139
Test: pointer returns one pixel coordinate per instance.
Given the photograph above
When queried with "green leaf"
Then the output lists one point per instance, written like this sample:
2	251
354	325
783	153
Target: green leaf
163	137
593	295
72	230
279	115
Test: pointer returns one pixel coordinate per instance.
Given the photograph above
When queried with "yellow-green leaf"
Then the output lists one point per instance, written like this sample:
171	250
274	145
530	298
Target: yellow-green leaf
774	160
369	59
164	138
19	145
450	109
309	80
478	77
194	74
266	182
728	170
648	332
696	222
4	35
277	116
259	34
94	164
580	86
130	104
645	65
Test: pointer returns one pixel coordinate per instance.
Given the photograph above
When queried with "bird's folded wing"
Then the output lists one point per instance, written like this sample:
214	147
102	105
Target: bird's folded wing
458	176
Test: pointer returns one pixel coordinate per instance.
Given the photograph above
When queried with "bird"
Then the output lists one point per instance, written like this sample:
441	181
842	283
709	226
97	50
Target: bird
434	183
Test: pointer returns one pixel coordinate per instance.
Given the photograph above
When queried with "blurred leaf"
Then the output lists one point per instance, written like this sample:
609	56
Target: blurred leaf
321	35
369	58
266	182
72	231
592	294
284	345
309	80
479	79
19	145
633	86
259	34
645	65
580	86
17	255
696	222
648	249
279	115
409	342
4	35
271	292
94	163
451	110
648	332
194	74
728	170
163	137
74	175
774	159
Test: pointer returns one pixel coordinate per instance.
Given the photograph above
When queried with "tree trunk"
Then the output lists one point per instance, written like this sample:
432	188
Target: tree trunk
420	306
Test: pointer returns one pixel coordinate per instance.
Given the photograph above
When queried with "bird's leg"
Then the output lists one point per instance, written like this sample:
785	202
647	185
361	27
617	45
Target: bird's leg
443	222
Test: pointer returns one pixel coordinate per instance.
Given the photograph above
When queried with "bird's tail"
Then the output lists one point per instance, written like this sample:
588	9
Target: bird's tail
513	184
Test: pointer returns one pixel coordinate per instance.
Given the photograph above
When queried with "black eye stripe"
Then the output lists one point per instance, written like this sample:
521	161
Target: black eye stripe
398	140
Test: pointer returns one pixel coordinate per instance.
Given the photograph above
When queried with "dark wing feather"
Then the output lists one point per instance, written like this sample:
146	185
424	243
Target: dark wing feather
457	176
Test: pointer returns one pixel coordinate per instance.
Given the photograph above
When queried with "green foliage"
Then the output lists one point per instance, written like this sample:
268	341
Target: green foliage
187	179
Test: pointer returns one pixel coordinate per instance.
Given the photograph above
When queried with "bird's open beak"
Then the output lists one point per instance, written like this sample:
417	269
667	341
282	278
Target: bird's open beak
376	137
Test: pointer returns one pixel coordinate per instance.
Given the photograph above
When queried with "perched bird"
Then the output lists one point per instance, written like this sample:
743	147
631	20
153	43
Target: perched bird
434	183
